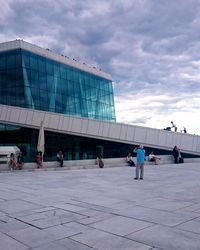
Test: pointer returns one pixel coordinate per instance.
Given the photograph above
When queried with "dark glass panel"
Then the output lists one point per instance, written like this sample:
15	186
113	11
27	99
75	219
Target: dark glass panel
10	61
49	67
34	63
25	59
18	60
42	65
2	62
56	67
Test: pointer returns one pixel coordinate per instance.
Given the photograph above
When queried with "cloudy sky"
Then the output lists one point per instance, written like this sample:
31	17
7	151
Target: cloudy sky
150	47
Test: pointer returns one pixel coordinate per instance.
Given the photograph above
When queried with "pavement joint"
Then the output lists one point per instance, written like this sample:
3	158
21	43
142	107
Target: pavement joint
102	209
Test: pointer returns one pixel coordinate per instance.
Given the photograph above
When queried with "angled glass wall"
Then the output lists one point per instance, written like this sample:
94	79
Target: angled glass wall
32	81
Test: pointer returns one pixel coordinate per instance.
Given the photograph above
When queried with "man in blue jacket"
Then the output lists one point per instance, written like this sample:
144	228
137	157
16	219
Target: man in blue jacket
140	162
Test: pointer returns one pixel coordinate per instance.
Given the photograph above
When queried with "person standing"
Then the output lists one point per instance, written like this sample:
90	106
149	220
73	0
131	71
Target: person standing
174	126
175	153
140	152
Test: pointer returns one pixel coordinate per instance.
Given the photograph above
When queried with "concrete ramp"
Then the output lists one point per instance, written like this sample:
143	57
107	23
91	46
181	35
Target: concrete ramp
109	131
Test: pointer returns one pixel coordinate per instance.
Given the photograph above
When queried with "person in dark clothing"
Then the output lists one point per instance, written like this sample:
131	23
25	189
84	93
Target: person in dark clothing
20	161
176	153
60	158
129	160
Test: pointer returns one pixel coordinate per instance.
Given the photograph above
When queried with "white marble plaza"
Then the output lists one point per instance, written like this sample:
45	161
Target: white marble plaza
104	209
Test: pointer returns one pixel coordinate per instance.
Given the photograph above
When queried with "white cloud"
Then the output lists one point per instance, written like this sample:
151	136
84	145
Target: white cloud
152	110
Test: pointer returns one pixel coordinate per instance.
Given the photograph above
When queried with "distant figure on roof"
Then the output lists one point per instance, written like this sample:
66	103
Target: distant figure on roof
184	130
167	128
174	126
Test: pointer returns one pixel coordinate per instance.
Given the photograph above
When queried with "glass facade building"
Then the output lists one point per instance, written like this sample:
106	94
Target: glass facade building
32	81
38	79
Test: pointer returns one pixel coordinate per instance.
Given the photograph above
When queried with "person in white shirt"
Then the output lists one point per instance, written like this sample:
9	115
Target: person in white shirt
174	126
154	158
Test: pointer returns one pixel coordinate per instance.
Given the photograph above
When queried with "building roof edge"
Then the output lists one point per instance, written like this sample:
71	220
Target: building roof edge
18	43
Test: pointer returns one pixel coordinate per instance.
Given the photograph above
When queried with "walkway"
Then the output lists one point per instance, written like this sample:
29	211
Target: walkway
103	209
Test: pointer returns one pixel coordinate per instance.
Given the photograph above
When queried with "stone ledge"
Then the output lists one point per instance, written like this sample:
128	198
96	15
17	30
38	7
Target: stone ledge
89	164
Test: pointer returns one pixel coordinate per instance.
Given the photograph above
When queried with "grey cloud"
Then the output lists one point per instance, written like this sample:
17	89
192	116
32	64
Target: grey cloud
148	46
141	120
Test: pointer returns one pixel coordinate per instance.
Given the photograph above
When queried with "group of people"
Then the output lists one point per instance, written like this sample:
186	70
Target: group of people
173	126
140	157
59	158
152	157
16	163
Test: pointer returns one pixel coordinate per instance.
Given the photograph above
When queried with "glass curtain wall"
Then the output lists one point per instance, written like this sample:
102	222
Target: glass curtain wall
74	147
32	81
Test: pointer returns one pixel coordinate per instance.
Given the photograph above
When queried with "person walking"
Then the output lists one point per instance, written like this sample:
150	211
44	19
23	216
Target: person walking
140	152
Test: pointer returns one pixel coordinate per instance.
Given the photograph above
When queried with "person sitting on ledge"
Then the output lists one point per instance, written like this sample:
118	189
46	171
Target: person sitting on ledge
153	158
20	161
12	162
129	160
60	158
38	160
99	161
